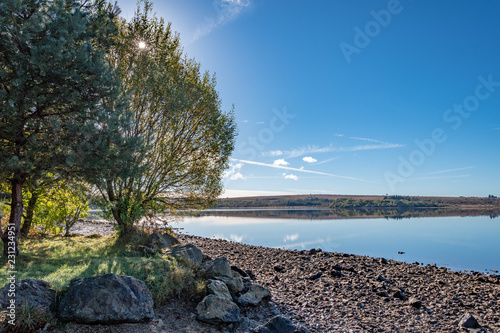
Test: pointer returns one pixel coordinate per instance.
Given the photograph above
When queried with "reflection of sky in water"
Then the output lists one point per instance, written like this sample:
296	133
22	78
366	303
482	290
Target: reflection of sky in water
458	243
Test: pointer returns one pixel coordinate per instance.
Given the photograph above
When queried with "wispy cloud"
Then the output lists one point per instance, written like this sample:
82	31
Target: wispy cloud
309	159
496	129
227	11
301	151
290	176
328	160
280	162
275	153
300	170
442	177
449	170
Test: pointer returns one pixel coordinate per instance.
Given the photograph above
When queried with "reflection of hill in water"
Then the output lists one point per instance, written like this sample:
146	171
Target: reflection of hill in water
351	213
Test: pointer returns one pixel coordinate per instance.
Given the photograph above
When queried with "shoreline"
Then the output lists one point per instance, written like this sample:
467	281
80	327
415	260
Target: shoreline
327	291
338	292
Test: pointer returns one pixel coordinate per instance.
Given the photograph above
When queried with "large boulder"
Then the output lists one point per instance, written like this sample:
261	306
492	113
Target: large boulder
254	295
218	267
280	324
34	293
215	309
187	252
106	299
218	288
159	241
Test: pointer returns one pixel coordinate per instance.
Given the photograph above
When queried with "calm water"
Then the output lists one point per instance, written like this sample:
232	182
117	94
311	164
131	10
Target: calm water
458	243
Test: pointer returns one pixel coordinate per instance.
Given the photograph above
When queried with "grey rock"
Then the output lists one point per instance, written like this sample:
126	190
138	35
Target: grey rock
399	294
159	241
279	324
218	288
239	271
217	268
106	299
279	268
468	321
416	303
188	252
234	284
316	276
215	309
254	295
34	293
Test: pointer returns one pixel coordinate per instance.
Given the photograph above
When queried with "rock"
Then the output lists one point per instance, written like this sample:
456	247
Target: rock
279	268
383	261
106	299
239	271
188	252
215	309
279	324
217	268
234	284
145	249
254	295
316	276
218	288
399	294
468	321
31	292
416	303
335	274
250	274
159	241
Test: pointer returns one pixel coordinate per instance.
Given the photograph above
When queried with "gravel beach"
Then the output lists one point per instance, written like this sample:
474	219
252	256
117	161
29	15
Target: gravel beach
337	292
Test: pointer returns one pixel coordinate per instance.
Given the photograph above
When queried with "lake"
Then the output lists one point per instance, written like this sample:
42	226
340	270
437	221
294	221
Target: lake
457	243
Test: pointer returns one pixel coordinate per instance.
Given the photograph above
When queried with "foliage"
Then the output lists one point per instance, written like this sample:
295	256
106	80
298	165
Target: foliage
59	259
177	113
61	105
400	202
60	205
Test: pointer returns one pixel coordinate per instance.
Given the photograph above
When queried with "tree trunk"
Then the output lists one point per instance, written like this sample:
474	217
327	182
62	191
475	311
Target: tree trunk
28	220
11	236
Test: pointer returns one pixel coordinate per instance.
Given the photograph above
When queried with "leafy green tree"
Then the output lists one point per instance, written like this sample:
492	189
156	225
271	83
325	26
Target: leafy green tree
177	112
61	205
61	105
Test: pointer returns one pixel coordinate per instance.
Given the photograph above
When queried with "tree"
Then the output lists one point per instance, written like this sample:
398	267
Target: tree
61	106
177	112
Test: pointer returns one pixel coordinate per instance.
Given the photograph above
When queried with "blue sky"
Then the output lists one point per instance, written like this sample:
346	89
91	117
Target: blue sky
352	97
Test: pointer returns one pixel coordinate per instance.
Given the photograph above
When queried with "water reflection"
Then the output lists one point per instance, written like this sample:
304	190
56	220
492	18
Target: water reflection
459	243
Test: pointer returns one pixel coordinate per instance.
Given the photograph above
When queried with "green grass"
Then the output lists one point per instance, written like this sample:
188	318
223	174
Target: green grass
59	259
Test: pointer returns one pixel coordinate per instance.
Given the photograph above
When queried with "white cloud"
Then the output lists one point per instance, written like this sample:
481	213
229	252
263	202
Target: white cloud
259	123
275	153
227	11
300	170
237	176
309	159
233	173
290	176
280	162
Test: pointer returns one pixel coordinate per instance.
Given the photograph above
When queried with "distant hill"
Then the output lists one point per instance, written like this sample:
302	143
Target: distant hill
358	201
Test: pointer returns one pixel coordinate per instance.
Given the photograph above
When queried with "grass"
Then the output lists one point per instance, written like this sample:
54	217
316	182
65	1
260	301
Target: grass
57	260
